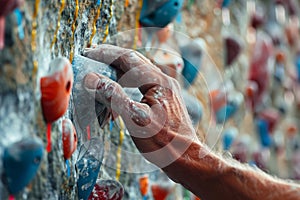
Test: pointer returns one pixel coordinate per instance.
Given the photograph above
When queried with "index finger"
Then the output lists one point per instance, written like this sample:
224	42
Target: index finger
119	58
138	70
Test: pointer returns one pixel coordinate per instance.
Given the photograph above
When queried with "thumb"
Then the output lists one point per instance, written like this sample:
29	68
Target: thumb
111	94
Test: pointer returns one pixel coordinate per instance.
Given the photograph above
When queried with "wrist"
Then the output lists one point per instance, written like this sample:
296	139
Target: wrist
197	168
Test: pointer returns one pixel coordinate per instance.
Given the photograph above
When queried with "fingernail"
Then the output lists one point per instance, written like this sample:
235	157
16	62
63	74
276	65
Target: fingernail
91	81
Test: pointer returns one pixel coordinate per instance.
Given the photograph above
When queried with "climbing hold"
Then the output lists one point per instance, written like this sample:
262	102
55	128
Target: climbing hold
251	89
262	127
164	34
144	185
290	6
229	136
192	57
217	99
88	166
271	116
297	64
69	138
233	104
56	88
107	190
7	6
232	50
21	160
291	31
159	13
280	57
169	61
68	168
111	125
257	20
19	17
258	71
291	130
86	108
225	3
227	111
159	192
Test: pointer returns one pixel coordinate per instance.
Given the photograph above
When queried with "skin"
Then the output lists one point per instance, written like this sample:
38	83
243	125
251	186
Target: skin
162	131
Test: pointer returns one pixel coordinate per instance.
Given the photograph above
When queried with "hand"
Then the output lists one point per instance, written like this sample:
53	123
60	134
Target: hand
163	132
159	125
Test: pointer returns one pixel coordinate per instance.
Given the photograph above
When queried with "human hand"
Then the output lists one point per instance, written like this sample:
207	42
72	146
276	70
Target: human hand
159	125
162	131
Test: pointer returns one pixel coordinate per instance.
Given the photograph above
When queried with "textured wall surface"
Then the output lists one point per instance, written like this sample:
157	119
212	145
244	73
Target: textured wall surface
65	28
20	109
60	31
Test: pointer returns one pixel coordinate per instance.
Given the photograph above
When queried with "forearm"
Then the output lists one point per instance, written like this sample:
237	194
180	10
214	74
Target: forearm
211	177
256	184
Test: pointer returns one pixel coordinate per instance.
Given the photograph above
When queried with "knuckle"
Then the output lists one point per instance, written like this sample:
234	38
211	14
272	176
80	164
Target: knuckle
176	84
129	57
130	54
171	83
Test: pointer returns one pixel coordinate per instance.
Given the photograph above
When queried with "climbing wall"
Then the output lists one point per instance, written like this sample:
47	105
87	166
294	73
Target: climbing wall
60	158
246	113
35	34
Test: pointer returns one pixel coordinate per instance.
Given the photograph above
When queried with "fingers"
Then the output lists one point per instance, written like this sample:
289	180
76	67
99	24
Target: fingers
120	58
105	90
135	70
140	119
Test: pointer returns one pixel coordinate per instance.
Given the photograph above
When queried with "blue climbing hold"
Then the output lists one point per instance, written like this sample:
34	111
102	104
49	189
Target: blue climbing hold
227	111
19	17
21	161
262	128
88	166
98	2
68	168
111	125
189	73
226	3
159	13
192	58
229	136
297	63
179	18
